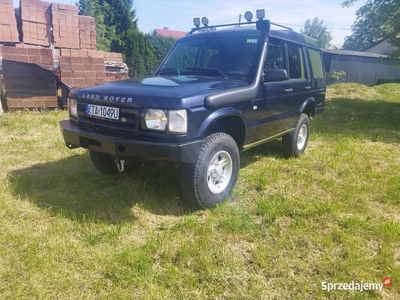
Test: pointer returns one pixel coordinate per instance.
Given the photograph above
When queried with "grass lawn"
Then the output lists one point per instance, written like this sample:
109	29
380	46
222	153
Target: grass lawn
330	216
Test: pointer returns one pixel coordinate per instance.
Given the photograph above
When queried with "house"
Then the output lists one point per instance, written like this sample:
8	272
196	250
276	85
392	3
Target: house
381	47
169	33
362	67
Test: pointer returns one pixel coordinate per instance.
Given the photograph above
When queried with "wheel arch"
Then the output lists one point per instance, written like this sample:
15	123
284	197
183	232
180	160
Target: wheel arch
308	107
227	120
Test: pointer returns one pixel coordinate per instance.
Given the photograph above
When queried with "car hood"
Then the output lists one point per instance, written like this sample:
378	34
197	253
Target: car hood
163	92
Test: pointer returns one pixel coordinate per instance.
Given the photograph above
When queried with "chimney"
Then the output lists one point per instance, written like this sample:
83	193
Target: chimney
166	28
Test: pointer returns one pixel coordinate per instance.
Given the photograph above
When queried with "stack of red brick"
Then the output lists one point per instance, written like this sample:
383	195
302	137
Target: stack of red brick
65	25
115	68
36	22
82	67
87	32
8	23
50	33
43	57
19	81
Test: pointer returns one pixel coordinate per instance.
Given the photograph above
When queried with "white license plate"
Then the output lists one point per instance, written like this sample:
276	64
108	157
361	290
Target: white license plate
104	112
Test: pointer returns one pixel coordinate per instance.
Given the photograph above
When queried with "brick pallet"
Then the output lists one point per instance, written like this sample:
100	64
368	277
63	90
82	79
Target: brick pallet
50	35
87	32
36	22
65	25
18	66
8	23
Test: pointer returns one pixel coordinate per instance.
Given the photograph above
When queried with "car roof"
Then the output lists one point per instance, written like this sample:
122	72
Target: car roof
287	35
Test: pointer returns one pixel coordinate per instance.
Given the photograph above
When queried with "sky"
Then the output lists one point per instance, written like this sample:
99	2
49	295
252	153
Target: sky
179	14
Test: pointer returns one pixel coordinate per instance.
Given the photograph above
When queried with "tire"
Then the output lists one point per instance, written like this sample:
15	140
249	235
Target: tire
295	143
106	165
201	182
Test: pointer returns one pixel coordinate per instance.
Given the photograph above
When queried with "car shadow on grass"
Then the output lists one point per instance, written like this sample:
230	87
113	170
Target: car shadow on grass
73	188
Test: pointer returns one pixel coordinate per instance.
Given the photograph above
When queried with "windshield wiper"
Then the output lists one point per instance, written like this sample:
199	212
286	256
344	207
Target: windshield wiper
208	71
166	71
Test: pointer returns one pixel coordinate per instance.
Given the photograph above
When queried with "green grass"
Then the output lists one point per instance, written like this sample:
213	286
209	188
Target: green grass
332	215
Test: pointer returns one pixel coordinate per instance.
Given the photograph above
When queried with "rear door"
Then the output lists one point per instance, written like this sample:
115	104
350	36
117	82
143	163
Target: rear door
299	78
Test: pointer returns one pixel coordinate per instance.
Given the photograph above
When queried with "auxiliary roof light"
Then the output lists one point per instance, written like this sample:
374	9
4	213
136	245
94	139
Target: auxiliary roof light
196	22
248	16
204	20
260	14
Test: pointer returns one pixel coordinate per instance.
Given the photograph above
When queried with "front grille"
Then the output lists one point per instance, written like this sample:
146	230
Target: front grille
126	126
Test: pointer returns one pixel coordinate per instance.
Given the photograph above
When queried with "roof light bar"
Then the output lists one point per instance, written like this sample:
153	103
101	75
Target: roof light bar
261	23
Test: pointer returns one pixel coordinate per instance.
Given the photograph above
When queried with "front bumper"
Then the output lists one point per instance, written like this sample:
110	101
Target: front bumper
135	150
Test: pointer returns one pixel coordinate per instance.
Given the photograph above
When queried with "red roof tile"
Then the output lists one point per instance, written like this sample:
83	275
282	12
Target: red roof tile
170	33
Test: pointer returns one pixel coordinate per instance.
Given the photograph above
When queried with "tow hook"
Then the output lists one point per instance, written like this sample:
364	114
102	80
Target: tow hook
121	165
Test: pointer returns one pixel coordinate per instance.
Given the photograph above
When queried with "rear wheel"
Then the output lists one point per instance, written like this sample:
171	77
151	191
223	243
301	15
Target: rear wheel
106	165
295	143
211	179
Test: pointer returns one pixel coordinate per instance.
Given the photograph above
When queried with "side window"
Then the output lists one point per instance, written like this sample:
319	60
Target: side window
316	63
275	56
296	62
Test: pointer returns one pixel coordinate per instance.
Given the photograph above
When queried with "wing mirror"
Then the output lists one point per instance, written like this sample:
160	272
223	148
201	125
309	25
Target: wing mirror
275	75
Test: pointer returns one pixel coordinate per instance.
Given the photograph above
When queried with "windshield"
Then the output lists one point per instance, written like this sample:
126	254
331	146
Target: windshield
212	56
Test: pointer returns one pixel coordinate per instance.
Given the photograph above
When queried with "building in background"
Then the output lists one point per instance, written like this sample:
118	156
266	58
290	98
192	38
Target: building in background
169	33
361	67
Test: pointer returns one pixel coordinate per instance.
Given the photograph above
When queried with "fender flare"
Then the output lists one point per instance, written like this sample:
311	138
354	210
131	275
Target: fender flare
217	115
309	101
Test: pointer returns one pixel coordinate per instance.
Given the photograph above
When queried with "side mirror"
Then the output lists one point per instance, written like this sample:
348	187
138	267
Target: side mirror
275	75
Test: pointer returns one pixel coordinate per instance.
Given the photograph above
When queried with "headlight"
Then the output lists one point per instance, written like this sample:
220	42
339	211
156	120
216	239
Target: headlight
73	107
178	121
161	120
156	119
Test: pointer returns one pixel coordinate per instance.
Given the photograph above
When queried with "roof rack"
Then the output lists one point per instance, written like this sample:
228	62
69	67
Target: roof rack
248	15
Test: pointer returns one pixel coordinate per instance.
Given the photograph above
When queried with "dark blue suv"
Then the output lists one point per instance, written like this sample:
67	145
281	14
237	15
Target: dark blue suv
217	93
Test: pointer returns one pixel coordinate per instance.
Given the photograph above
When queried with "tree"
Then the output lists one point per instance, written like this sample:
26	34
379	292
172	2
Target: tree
317	30
139	55
376	20
144	52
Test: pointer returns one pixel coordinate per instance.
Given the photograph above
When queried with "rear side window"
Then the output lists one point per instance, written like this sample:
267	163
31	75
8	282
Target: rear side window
296	62
316	63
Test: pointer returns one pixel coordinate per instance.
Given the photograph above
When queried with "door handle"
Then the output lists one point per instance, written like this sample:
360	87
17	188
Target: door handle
308	87
288	90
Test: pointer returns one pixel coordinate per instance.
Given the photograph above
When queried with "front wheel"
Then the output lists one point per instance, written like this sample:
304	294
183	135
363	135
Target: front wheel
295	143
211	179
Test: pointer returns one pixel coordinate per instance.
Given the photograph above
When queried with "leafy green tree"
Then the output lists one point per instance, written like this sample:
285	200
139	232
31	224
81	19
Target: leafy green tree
160	46
144	52
318	30
120	16
376	20
139	55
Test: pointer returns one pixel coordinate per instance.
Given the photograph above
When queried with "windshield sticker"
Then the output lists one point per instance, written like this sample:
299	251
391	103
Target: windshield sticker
251	41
